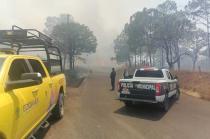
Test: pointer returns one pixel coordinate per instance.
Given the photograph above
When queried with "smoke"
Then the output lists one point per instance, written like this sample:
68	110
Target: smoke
105	17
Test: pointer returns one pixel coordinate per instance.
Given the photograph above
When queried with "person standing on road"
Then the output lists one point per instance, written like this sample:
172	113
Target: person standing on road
112	77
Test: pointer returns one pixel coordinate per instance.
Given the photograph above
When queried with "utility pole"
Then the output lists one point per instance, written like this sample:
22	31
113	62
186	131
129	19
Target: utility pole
67	18
70	44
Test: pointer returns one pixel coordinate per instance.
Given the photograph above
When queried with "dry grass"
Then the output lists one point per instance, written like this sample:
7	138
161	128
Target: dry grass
197	84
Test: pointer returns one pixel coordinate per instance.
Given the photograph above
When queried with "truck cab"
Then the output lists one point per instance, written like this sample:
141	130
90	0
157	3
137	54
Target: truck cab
31	89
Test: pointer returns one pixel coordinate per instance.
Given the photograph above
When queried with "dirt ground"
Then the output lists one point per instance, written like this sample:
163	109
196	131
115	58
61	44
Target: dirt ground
91	112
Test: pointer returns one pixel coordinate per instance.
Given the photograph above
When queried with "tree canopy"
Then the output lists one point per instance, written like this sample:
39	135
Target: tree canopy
76	38
166	31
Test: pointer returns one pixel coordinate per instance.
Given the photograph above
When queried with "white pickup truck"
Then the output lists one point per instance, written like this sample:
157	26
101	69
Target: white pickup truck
150	85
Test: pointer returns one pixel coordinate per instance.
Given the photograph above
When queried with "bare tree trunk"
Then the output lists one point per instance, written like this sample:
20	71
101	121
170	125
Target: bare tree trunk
129	61
153	59
135	59
73	63
177	53
64	61
179	64
140	57
70	61
194	59
171	66
194	63
168	58
150	59
162	57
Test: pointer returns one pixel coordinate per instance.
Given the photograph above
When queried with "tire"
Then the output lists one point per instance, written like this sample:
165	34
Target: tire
58	111
177	95
165	103
128	103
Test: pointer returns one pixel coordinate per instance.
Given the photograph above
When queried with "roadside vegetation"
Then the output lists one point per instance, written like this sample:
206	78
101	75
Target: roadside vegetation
194	83
73	78
74	40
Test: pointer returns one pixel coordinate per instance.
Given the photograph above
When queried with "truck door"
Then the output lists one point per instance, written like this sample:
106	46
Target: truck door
26	99
45	96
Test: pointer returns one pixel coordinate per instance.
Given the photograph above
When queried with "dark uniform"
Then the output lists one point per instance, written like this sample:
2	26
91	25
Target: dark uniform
112	77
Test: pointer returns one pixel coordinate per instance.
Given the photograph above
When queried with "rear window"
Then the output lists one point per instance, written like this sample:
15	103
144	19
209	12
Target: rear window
38	52
150	74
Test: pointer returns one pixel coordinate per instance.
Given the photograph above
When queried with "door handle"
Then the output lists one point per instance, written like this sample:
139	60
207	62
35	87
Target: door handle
35	91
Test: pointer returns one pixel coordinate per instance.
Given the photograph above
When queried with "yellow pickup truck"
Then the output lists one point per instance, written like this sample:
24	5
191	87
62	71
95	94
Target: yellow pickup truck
31	88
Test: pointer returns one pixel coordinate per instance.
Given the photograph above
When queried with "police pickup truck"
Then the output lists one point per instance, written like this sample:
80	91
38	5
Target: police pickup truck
150	85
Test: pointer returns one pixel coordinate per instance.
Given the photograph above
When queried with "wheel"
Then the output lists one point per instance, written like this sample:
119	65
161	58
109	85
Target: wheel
128	103
58	111
165	103
177	95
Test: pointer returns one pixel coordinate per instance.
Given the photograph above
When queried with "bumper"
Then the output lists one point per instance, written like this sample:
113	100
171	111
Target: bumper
158	99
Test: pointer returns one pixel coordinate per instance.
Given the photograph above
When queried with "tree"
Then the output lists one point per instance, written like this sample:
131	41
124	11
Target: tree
77	38
194	45
171	29
134	31
50	23
122	49
160	30
149	26
199	10
140	33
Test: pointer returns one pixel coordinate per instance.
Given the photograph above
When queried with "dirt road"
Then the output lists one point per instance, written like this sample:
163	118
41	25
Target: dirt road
91	112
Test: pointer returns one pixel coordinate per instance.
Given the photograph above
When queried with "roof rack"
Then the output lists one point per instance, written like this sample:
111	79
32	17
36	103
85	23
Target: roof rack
24	37
7	51
28	40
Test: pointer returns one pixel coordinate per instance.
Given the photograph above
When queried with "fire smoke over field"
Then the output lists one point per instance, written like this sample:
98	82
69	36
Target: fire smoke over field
105	17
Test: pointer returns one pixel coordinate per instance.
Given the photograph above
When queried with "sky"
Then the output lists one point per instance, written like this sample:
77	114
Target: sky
105	17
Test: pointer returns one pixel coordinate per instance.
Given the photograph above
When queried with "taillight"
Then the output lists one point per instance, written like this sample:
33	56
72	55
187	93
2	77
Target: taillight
119	86
158	89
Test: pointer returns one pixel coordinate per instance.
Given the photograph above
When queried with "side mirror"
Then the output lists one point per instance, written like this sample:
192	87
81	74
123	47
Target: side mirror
27	79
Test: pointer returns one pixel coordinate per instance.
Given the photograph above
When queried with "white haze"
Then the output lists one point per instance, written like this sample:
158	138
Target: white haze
105	17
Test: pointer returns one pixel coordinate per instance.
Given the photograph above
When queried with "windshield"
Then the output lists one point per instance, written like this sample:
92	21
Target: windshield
150	74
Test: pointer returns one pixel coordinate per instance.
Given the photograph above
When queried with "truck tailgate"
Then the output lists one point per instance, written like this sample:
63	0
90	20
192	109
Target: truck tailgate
138	90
